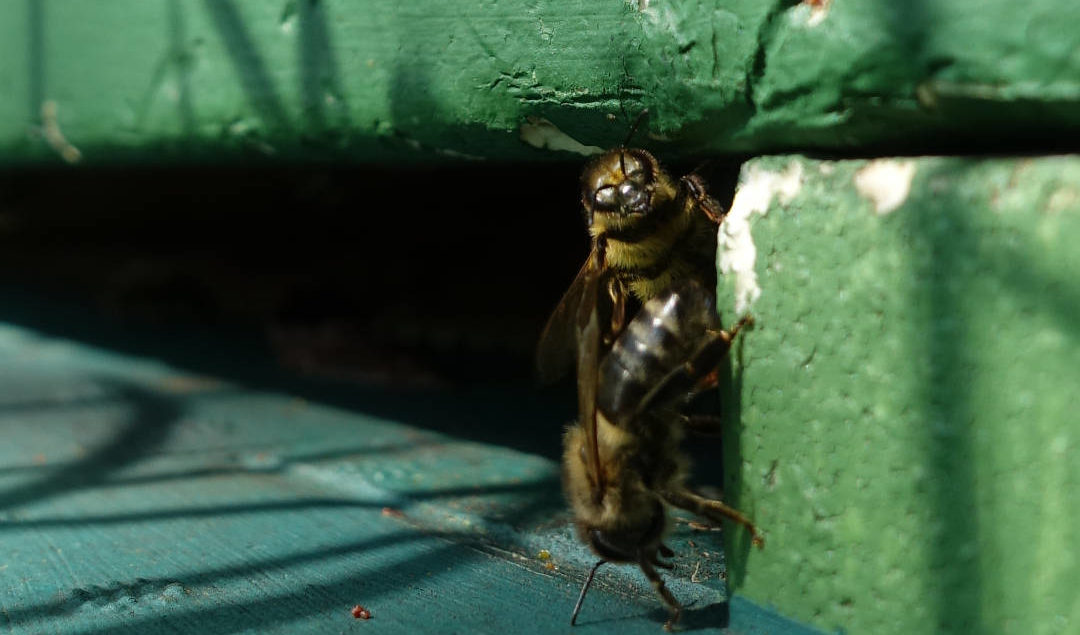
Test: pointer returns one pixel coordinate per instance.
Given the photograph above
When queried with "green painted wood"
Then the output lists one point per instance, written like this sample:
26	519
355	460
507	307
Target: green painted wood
183	80
137	497
907	401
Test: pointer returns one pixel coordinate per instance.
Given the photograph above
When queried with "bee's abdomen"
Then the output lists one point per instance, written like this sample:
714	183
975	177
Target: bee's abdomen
653	344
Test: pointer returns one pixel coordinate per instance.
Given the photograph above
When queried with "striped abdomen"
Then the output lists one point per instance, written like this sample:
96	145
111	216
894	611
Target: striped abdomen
661	338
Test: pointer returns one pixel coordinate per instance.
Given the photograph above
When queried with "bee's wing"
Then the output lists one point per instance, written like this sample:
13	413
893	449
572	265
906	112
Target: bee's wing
588	338
591	311
557	349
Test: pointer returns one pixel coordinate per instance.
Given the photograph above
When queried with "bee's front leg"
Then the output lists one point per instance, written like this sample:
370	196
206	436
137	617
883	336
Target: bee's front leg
692	192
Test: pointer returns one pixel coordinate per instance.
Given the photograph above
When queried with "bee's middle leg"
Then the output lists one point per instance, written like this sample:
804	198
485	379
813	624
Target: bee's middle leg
661	589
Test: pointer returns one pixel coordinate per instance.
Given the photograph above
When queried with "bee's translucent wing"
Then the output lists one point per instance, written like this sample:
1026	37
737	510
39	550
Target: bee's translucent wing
588	339
556	352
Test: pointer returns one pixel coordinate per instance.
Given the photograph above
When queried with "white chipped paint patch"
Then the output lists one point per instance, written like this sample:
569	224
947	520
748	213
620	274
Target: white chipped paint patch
541	133
818	10
886	183
736	252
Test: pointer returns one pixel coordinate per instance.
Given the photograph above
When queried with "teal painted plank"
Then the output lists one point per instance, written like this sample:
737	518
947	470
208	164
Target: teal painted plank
138	498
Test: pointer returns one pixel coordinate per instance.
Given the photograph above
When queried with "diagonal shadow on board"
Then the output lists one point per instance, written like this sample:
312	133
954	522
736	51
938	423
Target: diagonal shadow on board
200	577
306	601
153	416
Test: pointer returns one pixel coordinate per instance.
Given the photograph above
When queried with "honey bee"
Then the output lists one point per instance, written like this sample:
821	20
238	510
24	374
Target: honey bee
648	230
622	464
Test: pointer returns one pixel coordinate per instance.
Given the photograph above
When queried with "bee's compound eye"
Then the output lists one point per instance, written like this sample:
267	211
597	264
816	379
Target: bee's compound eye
605	197
631	195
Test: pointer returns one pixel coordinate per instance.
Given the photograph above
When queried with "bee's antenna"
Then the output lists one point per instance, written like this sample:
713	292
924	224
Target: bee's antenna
581	598
633	129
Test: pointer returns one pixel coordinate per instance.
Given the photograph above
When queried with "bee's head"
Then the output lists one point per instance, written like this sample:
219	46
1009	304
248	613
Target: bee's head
619	184
626	542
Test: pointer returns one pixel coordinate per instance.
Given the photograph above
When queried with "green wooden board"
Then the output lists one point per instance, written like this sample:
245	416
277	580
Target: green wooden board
907	401
189	80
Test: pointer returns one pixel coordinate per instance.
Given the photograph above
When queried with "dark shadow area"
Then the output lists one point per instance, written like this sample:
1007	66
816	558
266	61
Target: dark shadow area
944	230
232	467
210	576
35	35
306	601
731	386
177	62
335	596
424	309
957	231
251	69
324	103
153	416
183	513
942	227
181	59
697	618
694	617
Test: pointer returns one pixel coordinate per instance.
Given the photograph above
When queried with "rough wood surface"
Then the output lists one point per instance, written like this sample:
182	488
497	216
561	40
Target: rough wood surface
907	400
184	80
136	497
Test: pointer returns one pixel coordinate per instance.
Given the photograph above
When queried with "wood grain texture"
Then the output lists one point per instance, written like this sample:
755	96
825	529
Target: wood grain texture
188	80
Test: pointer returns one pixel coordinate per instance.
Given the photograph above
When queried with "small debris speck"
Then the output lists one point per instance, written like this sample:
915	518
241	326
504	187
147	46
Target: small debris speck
360	613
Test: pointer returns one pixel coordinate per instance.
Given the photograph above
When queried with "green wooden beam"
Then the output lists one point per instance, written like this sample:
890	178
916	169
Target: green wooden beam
906	404
184	80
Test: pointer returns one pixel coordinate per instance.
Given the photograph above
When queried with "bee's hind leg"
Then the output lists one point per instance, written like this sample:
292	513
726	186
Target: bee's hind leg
661	589
666	552
714	510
